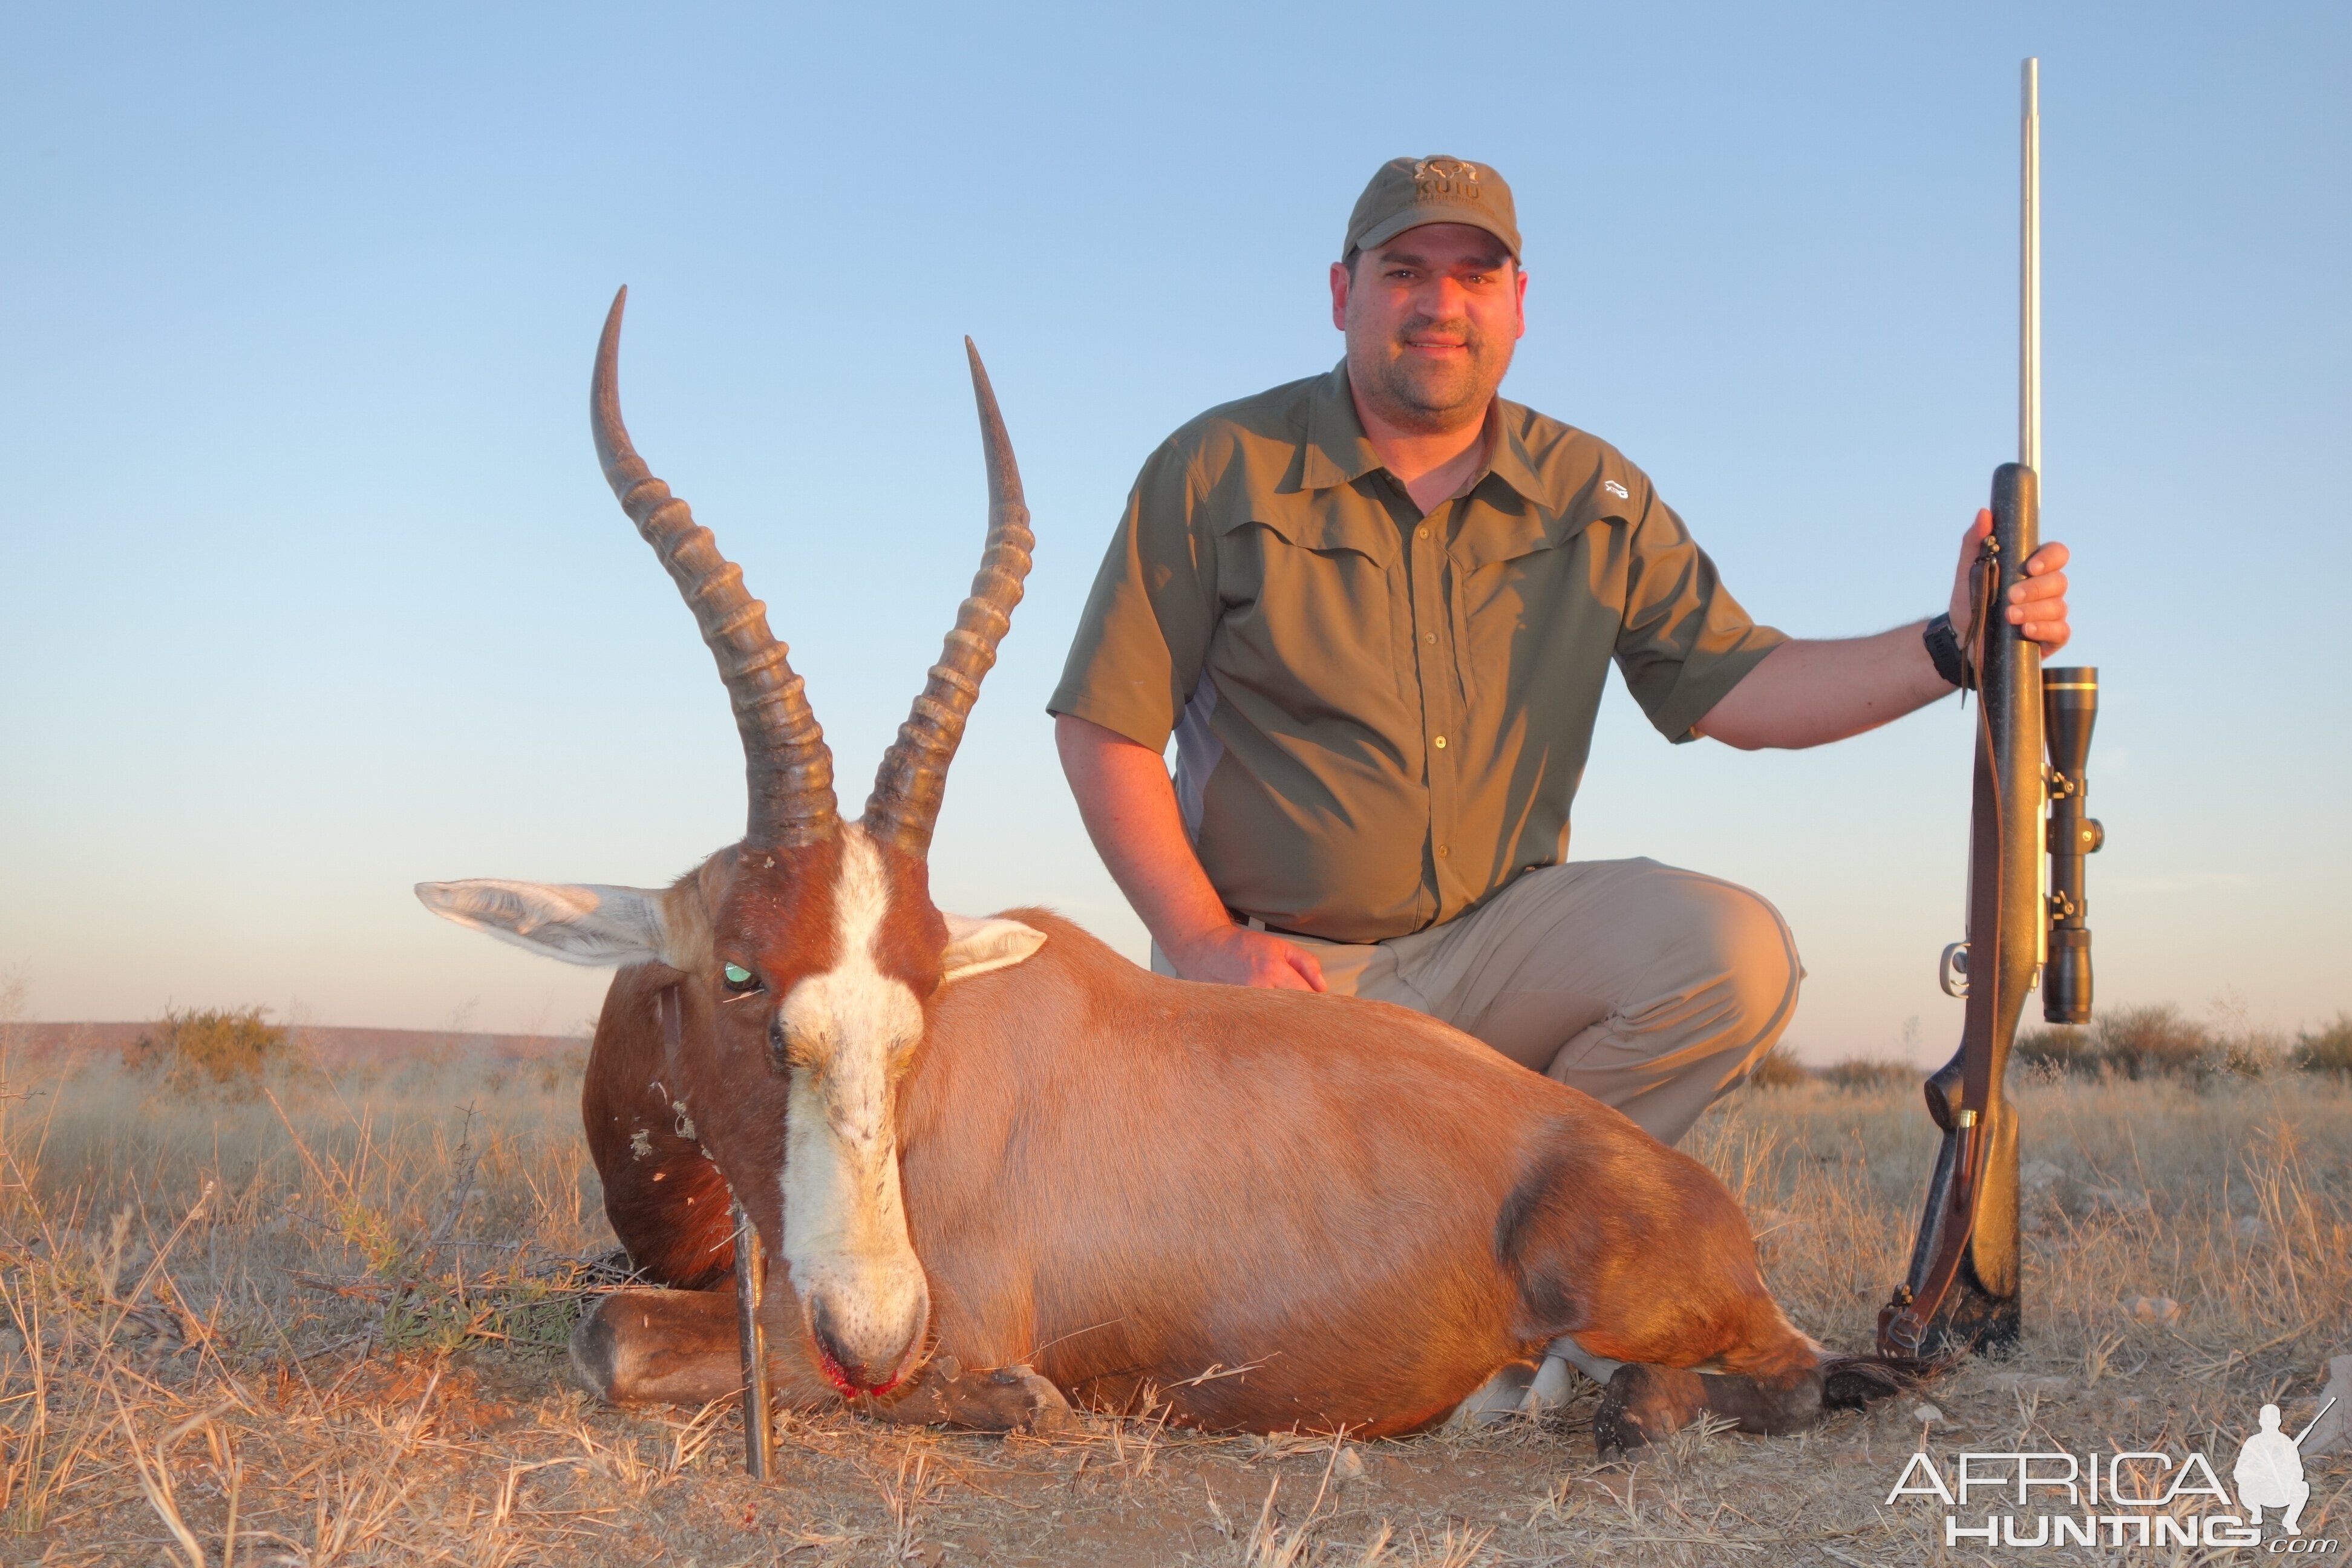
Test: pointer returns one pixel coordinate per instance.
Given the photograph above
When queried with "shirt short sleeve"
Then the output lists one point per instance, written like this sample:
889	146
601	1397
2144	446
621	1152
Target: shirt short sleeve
1144	633
1684	641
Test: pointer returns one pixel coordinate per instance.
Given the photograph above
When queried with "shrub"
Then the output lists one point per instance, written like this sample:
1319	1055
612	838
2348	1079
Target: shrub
2060	1048
2329	1050
2154	1042
2147	1042
1870	1072
225	1049
1779	1068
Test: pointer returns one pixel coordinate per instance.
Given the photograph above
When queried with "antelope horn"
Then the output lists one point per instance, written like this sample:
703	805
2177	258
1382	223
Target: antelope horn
905	804
785	761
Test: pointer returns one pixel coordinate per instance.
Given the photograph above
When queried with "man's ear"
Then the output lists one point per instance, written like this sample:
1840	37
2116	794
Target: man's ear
582	923
975	947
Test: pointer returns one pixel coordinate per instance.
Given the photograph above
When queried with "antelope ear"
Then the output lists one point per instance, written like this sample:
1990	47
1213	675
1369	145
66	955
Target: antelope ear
975	947
582	923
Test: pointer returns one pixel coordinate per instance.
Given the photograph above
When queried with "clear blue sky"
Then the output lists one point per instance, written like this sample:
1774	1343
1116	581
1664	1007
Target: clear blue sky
310	588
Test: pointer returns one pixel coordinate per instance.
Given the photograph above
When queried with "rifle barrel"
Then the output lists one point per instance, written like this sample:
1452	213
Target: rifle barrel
2028	291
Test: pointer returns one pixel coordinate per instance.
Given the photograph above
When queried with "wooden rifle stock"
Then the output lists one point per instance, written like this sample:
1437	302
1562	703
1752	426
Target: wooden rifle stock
1961	1291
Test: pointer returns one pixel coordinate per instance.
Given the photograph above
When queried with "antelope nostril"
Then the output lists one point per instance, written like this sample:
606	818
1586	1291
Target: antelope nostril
850	1362
842	1367
778	1053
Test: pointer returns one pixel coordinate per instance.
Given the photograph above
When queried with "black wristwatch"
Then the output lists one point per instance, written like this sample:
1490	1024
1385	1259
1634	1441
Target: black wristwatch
1944	649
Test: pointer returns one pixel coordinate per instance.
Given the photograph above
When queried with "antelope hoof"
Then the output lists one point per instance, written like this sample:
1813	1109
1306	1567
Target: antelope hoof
1030	1404
1643	1404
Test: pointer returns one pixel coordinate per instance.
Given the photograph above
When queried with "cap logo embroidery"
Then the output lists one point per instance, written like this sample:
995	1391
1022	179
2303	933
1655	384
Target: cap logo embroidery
1445	177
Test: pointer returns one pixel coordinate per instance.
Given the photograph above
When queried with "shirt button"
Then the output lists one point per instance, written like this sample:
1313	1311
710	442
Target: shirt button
1440	852
1422	534
1440	742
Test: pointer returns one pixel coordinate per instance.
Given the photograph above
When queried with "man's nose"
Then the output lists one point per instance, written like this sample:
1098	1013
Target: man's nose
1443	298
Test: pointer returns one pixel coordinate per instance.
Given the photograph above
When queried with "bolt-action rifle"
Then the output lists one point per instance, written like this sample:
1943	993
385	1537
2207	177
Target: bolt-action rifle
1961	1291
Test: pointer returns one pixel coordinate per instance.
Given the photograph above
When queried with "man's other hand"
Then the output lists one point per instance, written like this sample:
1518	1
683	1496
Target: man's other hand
2036	606
1236	955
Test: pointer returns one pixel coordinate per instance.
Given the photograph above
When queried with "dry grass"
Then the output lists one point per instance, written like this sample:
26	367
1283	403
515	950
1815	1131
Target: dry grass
321	1327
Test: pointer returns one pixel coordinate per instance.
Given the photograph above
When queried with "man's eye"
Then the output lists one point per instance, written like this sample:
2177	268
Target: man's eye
740	979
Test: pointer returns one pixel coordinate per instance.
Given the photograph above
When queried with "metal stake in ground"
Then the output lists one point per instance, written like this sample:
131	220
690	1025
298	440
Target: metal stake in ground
750	1269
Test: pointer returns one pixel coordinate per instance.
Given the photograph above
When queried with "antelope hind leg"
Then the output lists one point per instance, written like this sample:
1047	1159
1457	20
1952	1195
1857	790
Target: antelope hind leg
1643	1404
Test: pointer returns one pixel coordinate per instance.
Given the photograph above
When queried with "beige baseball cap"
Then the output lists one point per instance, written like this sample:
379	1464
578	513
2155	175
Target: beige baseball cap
1407	192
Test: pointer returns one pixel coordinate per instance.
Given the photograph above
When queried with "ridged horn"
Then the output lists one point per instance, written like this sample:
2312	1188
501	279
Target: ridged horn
905	804
786	764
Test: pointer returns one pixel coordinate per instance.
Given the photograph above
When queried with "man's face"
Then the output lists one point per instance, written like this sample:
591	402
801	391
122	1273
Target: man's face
1432	317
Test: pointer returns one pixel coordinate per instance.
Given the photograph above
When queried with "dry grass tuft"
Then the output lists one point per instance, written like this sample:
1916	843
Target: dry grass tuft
321	1326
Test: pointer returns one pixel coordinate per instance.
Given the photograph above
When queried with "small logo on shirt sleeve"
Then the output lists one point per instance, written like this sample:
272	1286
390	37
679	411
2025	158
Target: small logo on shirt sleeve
1614	489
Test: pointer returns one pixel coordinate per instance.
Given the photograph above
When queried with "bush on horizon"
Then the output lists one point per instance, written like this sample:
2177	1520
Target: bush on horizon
224	1051
2328	1048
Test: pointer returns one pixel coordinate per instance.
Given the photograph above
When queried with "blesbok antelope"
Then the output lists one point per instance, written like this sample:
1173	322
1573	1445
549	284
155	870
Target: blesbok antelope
1002	1165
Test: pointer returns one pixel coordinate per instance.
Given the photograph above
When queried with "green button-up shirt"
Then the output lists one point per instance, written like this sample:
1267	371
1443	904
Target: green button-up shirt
1381	717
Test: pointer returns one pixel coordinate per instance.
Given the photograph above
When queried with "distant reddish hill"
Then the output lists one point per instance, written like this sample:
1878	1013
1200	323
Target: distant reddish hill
334	1046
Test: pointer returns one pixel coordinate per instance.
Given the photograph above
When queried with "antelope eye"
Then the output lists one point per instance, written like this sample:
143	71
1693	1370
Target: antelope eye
740	979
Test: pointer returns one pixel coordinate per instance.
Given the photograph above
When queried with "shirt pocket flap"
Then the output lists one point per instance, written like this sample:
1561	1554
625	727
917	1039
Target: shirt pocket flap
1322	519
1489	535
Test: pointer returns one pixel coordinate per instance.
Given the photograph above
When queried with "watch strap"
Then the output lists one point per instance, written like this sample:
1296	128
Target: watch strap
1944	650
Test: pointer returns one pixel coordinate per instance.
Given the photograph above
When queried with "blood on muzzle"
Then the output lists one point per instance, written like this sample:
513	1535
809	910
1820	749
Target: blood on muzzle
870	1358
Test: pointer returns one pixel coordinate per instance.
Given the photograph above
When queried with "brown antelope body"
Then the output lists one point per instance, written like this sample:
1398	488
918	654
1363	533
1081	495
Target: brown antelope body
999	1165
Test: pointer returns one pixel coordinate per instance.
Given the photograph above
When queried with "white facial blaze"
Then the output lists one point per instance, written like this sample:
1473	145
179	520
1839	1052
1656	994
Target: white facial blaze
845	1221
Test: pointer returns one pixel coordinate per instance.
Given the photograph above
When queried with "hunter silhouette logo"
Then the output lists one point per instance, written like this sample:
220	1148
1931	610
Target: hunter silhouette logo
2269	1471
1614	489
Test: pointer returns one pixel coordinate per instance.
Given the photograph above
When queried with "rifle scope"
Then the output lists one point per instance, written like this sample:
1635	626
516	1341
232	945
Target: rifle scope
2070	705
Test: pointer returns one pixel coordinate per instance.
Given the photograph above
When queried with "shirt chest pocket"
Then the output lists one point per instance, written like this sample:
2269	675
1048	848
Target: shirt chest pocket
1523	607
1316	618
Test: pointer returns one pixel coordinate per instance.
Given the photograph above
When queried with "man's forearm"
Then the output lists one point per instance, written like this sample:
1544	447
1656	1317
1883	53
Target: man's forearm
1128	806
1810	691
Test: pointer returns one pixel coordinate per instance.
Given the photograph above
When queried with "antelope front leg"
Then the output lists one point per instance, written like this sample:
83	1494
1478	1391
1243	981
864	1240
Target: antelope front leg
999	1399
679	1347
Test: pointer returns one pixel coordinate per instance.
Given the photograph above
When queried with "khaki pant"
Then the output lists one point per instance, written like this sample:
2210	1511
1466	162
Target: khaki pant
1651	989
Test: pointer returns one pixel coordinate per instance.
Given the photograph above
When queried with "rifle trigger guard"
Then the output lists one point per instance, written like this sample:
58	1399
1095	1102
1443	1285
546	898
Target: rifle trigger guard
1952	970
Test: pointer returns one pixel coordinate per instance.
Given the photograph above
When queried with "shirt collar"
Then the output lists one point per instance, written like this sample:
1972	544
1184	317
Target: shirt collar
1337	452
1508	459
